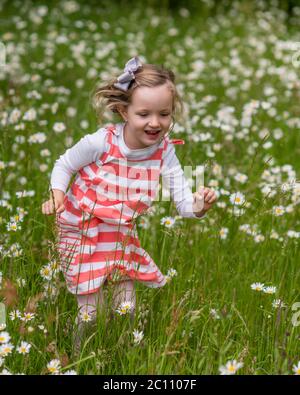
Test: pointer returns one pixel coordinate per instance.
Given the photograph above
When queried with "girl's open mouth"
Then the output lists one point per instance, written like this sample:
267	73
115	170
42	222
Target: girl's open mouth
152	132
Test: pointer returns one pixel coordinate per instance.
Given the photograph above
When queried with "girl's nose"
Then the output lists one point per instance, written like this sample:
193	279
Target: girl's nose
154	123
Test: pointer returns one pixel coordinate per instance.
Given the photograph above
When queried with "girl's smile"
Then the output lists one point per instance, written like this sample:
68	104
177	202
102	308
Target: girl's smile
148	116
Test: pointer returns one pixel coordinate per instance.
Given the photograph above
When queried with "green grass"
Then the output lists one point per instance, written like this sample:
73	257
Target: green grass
241	55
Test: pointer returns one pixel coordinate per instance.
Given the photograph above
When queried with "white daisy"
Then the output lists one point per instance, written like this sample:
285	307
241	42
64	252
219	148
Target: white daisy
278	210
168	222
4	337
125	307
86	316
59	127
223	233
46	272
242	178
296	369
39	137
257	286
230	368
172	273
70	373
28	317
278	303
6	349
54	366
6	372
15	314
138	336
13	226
269	290
237	198
259	238
24	348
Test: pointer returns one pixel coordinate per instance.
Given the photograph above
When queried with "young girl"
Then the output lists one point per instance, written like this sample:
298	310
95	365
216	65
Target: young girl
117	178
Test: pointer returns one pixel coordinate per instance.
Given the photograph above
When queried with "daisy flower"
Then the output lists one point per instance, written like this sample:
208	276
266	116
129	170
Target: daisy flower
125	307
230	368
278	210
59	127
24	348
168	222
86	316
237	211
237	198
223	233
269	290
15	314
278	303
13	226
46	272
138	336
296	369
242	178
6	349
6	372
4	337
28	317
70	373
172	273
38	138
54	366
257	286
259	238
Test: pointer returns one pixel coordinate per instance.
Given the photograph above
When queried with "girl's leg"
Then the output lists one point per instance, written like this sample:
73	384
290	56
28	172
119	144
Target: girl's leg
86	304
124	292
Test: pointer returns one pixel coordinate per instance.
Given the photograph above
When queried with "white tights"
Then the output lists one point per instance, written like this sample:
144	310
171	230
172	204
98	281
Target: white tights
123	291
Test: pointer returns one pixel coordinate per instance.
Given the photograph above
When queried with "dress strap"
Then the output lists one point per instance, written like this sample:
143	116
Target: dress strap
177	141
111	130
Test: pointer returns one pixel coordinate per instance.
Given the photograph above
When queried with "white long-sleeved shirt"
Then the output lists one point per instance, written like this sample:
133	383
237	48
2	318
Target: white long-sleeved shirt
91	147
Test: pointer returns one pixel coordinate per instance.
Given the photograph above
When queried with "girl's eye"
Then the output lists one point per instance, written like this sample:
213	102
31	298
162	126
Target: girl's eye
144	115
163	115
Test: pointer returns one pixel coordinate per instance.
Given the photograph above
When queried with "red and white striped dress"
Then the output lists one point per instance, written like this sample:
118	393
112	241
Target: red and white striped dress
97	236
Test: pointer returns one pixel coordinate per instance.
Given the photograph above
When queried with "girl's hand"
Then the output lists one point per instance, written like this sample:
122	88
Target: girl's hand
49	207
204	198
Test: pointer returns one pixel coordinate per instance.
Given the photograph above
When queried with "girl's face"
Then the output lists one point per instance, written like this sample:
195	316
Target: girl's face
149	116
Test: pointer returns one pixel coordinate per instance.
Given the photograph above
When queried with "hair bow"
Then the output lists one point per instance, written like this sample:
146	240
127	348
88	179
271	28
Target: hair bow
124	79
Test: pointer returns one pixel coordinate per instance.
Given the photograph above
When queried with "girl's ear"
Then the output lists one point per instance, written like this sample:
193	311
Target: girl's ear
123	112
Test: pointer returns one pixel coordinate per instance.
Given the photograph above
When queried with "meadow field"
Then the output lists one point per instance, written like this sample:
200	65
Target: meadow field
232	302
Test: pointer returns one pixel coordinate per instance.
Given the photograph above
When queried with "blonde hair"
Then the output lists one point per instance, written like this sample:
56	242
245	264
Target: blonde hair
150	75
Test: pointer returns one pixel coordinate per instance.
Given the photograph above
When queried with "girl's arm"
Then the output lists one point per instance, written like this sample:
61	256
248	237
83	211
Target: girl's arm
86	151
187	203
